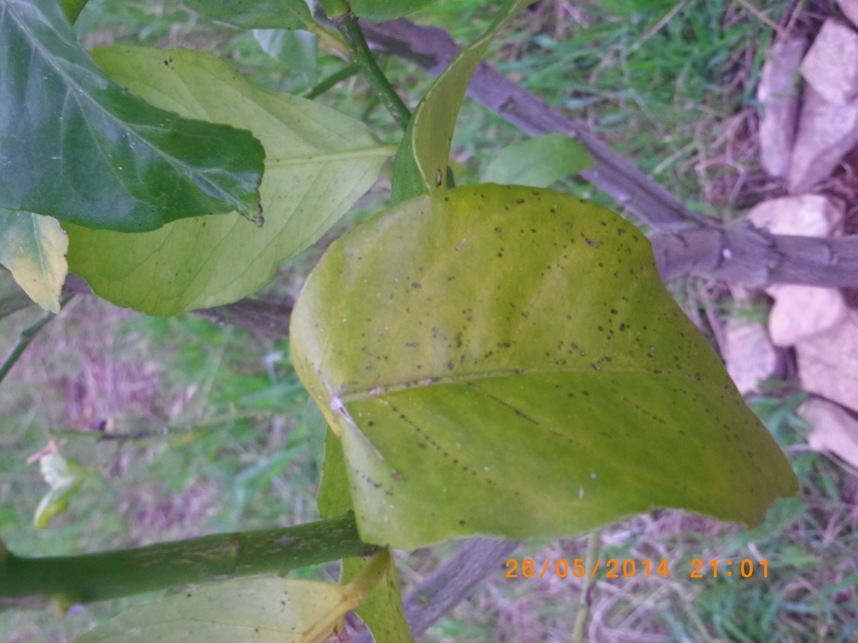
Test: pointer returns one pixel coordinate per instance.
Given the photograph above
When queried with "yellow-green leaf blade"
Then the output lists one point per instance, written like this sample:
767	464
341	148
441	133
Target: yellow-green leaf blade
382	611
506	361
420	166
318	163
33	248
268	610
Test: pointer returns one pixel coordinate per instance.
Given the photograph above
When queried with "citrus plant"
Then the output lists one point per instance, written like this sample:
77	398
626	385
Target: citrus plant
498	359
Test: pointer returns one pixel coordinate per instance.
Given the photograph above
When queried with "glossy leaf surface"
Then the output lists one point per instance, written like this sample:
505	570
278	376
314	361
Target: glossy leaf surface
537	162
33	248
506	361
255	14
318	163
78	147
271	610
420	166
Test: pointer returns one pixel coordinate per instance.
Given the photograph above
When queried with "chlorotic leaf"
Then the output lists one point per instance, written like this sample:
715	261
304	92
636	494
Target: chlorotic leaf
255	14
537	162
382	611
506	361
33	248
65	478
80	148
318	163
420	166
271	610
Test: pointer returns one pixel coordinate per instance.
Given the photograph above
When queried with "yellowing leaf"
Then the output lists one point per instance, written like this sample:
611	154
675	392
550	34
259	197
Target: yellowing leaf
318	163
506	361
272	610
65	478
420	166
267	610
382	611
33	249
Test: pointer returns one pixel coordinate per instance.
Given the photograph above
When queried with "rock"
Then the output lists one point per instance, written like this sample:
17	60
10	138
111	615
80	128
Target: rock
807	215
749	354
779	97
826	132
826	363
831	64
832	430
850	10
800	312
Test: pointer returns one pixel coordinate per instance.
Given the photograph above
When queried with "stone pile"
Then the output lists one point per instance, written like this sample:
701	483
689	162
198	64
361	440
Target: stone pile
809	121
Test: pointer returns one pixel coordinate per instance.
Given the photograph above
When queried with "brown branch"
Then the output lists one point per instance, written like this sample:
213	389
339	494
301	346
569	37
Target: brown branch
257	316
683	244
432	49
753	257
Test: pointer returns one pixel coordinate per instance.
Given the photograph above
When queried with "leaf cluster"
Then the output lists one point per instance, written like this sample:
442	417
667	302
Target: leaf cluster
494	360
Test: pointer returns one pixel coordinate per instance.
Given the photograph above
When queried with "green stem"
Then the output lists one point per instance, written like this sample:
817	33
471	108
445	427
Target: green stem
360	55
68	580
326	83
27	336
583	615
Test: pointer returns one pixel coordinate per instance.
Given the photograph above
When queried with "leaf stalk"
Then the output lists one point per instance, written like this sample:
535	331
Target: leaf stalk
360	55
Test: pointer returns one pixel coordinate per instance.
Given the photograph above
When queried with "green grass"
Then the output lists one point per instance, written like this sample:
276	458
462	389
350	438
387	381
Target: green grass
222	436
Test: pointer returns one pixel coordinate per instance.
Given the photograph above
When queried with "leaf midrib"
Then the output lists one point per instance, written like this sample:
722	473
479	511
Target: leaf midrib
49	59
387	389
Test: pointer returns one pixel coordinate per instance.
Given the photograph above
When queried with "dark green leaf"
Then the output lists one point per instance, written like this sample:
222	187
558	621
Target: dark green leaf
255	14
506	361
77	147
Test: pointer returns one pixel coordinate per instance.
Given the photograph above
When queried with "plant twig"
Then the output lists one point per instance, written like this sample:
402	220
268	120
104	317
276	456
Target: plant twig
579	630
326	83
360	55
432	49
26	338
68	580
683	243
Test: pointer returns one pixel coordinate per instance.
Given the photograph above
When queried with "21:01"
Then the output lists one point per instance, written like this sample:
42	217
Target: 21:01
746	568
